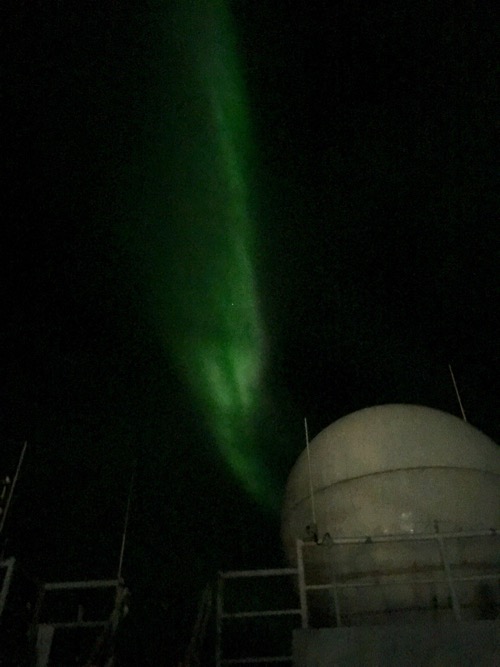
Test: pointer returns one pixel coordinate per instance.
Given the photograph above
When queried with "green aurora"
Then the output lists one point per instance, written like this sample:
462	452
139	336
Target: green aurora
213	326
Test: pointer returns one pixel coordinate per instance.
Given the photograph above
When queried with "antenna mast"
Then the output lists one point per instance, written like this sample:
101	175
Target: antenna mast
11	491
313	509
125	527
457	393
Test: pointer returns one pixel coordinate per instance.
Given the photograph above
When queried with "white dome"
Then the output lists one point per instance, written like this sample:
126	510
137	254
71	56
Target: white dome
390	470
384	446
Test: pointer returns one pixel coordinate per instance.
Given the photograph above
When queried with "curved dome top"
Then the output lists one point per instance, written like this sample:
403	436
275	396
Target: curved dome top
393	470
392	437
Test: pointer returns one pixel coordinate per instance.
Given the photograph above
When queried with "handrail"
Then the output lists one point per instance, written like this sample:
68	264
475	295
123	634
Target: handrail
263	613
450	578
437	537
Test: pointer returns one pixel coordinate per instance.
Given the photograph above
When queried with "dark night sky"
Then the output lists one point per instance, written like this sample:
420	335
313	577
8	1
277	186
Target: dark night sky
377	252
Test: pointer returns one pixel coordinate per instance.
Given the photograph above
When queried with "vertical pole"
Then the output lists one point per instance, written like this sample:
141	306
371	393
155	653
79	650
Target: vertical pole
302	584
338	619
33	631
6	582
44	639
457	393
14	482
219	611
125	528
313	508
454	599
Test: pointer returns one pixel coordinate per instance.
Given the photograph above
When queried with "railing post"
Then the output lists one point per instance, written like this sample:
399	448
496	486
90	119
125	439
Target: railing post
218	622
9	566
302	584
454	598
338	618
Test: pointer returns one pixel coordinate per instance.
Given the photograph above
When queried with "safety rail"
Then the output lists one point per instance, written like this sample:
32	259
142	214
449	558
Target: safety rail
451	579
265	613
48	629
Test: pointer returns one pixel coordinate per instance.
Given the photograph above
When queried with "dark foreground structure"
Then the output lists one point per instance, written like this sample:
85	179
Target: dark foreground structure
390	528
452	645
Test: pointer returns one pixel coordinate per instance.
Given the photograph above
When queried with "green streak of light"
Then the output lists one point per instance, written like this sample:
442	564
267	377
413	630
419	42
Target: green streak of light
218	337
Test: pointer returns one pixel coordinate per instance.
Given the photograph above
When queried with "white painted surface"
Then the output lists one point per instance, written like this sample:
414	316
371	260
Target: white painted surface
395	469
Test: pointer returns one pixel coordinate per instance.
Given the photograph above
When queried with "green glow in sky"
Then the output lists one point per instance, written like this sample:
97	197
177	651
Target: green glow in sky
215	329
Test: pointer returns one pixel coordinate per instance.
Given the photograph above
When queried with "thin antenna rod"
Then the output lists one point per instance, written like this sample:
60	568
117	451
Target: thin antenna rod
125	527
313	509
457	393
14	482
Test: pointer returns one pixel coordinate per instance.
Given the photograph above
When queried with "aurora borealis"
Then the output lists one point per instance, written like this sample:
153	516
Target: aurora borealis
221	218
218	343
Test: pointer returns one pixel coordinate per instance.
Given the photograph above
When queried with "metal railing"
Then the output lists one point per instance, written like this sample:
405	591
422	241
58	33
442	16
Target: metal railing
450	579
222	615
445	576
46	630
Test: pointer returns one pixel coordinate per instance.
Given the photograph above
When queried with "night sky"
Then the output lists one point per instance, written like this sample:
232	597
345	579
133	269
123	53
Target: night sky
219	220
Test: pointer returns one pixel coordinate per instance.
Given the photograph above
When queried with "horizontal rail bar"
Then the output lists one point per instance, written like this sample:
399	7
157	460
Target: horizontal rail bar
403	537
408	582
250	661
369	584
237	574
256	614
97	583
476	577
78	624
